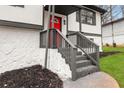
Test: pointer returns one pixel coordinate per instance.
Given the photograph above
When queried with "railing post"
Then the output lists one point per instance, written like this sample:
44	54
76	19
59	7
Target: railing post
80	24
52	33
47	37
88	47
73	63
54	36
97	52
41	40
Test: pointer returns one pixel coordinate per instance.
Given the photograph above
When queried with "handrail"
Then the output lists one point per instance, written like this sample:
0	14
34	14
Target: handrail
87	39
62	36
90	57
92	46
73	46
65	47
43	31
69	53
74	33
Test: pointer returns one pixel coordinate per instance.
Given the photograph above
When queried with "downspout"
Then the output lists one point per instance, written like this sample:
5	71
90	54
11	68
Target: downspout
47	36
113	35
52	33
101	32
112	26
80	27
67	25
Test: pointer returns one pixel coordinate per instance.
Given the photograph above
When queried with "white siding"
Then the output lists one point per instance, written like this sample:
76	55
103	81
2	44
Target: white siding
20	48
95	29
118	29
107	35
107	40
107	31
29	14
74	25
119	39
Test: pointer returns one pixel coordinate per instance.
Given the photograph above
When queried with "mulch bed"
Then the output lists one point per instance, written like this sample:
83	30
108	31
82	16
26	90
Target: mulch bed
104	54
30	77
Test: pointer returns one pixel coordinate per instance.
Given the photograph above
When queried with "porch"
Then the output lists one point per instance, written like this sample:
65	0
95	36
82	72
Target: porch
80	53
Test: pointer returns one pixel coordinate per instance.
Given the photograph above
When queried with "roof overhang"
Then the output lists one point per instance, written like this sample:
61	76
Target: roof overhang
114	21
68	9
64	9
20	25
96	8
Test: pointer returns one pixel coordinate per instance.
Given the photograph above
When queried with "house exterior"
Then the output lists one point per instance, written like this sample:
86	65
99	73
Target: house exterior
23	32
113	32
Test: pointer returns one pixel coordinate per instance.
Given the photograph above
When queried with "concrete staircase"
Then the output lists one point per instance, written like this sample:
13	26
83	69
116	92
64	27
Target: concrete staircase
84	65
83	62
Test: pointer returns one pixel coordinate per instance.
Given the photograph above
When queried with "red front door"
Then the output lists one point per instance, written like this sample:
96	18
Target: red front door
56	37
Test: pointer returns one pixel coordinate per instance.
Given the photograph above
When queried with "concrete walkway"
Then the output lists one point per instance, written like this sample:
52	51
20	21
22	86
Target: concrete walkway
95	80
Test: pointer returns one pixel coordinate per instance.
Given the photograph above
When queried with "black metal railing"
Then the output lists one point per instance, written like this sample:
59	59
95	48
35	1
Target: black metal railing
87	46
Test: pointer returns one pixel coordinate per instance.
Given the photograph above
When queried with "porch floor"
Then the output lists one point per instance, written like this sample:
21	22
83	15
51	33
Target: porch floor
95	80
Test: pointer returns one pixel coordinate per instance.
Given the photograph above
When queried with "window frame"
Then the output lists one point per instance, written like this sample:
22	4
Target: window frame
21	6
86	17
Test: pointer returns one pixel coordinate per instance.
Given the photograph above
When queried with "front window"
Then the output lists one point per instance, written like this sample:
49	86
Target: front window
87	17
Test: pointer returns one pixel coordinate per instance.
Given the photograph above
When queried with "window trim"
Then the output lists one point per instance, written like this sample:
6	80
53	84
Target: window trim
94	17
21	6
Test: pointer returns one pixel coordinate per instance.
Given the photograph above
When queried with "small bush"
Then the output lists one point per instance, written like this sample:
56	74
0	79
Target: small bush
114	45
107	45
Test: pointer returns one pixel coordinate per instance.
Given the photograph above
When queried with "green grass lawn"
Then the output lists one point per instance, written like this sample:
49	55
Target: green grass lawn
114	64
107	49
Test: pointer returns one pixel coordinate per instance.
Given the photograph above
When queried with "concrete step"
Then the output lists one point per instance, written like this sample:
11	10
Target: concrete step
83	63
83	71
81	57
78	58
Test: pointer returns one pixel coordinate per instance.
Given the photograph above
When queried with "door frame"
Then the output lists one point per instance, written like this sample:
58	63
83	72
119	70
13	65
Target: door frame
60	20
